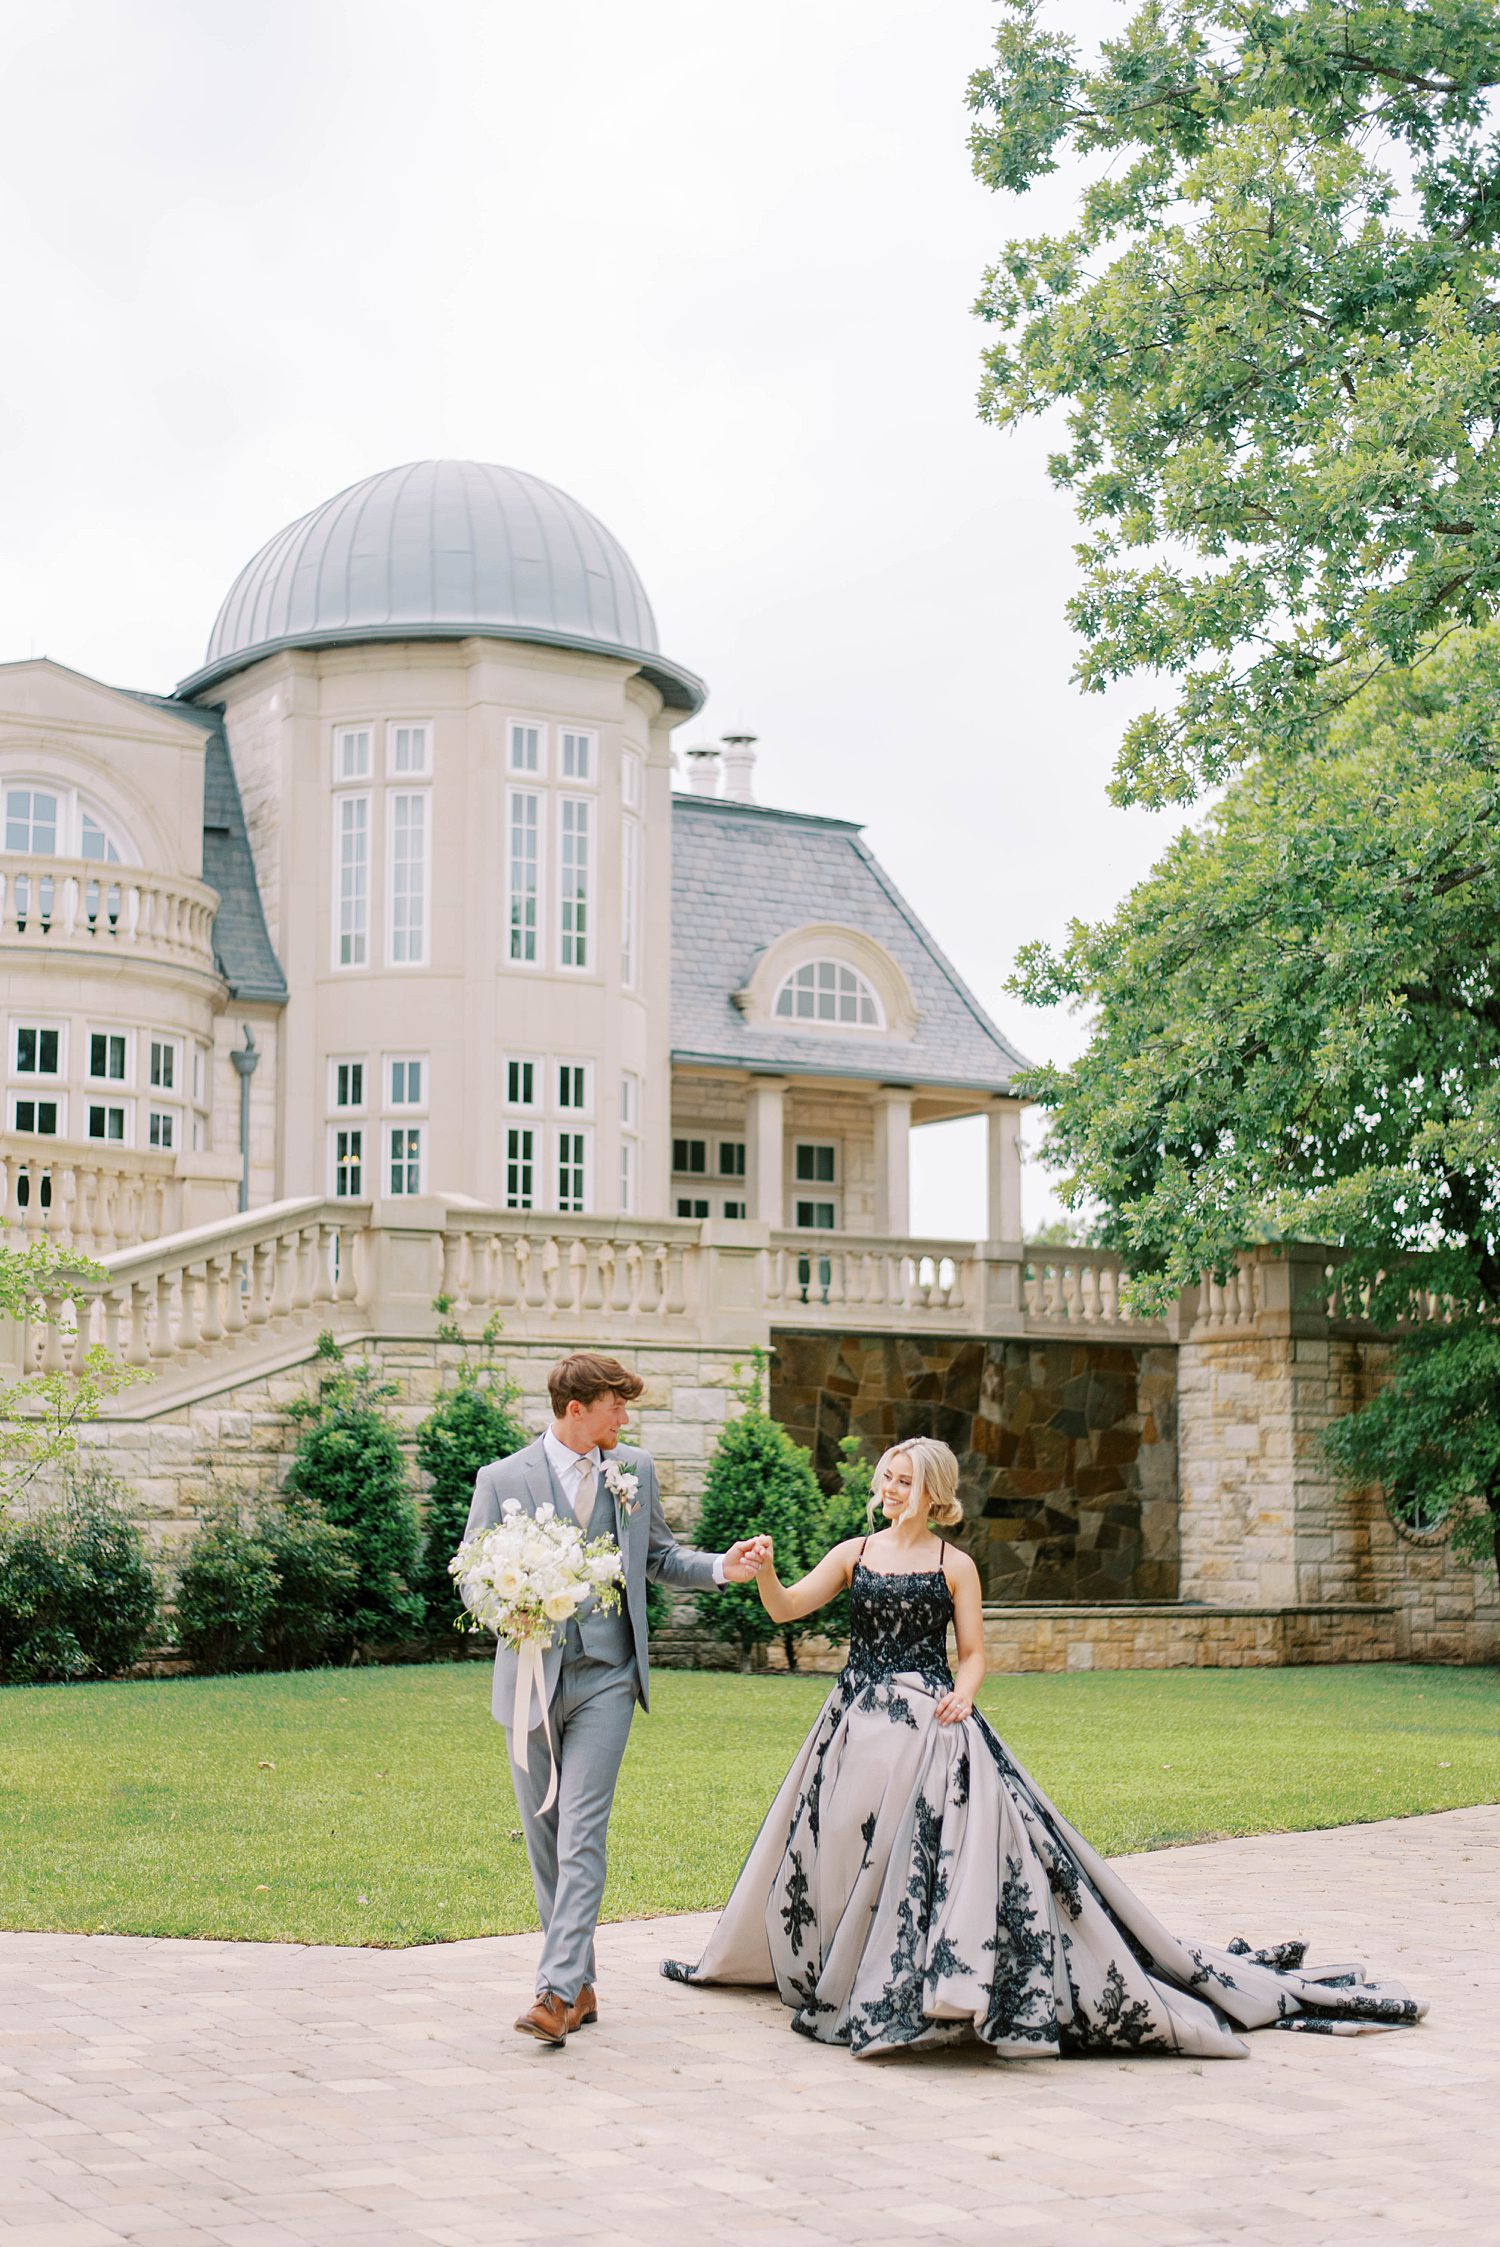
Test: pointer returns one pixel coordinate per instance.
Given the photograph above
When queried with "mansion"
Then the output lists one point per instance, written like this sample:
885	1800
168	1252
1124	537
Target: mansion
379	981
403	858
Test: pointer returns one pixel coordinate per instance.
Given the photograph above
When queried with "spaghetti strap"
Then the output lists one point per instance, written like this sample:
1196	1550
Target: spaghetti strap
862	1544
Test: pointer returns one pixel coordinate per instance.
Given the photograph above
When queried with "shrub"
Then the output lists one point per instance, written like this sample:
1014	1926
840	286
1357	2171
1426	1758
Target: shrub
759	1482
846	1513
348	1465
472	1423
265	1586
77	1594
658	1607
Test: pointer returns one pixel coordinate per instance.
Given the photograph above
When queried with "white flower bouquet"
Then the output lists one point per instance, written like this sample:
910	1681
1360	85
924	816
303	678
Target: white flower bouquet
522	1579
531	1572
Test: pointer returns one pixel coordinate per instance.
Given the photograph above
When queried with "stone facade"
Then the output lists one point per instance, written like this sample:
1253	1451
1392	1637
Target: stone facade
1067	1451
1265	1520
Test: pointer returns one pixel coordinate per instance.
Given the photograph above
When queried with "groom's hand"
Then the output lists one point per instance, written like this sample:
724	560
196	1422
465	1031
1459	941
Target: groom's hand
745	1559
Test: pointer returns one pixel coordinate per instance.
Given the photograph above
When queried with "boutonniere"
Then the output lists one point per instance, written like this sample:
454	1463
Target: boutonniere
623	1487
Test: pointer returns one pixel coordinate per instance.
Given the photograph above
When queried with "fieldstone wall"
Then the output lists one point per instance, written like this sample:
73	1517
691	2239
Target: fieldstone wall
1067	1451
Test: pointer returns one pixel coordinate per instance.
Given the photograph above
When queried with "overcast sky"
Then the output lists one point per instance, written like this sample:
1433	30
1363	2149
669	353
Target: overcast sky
708	269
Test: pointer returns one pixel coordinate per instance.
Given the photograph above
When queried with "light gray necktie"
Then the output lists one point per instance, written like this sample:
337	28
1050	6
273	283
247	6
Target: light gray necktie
584	1487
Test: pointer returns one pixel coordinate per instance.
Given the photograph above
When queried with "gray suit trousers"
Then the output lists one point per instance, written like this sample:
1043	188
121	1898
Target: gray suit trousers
590	1715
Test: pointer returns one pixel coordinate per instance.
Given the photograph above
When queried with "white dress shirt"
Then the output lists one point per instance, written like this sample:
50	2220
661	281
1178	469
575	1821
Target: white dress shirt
578	1471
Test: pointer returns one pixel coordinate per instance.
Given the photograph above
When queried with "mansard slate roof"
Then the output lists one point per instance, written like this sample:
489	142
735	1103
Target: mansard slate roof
744	875
243	952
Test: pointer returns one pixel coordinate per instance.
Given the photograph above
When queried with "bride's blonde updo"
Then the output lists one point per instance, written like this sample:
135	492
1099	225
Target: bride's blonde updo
934	1476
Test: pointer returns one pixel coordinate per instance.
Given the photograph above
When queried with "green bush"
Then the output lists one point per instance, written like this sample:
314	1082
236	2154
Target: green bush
658	1607
472	1423
265	1586
348	1465
759	1482
846	1513
78	1596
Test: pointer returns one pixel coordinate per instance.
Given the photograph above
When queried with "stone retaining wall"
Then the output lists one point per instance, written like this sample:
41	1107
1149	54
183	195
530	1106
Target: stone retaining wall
1067	1451
1165	1637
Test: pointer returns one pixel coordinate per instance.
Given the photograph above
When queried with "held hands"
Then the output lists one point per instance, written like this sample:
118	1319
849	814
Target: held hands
746	1558
953	1708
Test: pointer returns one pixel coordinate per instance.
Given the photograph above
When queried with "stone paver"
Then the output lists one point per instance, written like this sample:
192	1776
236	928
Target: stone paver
171	2094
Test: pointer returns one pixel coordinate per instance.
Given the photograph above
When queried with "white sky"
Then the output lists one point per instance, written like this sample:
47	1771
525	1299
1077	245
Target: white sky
710	270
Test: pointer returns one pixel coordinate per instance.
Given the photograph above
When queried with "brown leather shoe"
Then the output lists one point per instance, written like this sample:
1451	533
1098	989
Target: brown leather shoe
584	2010
549	2020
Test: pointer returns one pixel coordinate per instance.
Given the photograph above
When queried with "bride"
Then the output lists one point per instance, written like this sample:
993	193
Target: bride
911	1885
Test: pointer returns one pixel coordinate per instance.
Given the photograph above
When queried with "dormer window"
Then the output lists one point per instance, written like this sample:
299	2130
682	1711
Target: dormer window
828	991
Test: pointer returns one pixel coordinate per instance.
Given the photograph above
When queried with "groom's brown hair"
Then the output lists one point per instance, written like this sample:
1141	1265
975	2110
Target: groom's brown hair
582	1377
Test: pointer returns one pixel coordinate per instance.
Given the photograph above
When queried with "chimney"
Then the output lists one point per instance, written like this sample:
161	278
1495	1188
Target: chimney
703	769
739	766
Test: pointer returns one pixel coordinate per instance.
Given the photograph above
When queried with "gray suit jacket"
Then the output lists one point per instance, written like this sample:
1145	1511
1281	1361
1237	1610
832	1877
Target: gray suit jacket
647	1548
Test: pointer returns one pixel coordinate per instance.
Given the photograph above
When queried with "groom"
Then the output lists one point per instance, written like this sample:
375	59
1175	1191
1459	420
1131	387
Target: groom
598	1672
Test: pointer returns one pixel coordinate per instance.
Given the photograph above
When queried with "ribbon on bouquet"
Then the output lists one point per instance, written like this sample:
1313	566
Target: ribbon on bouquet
529	1681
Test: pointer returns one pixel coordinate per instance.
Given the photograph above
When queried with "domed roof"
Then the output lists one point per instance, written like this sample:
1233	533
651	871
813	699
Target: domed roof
440	550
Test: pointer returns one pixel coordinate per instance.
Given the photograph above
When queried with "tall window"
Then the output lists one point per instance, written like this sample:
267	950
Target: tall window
573	1086
352	757
161	1128
526	748
106	1122
731	1158
827	991
520	1167
410	750
577	756
408	847
349	1164
407	1084
404	1158
107	1056
525	860
630	781
630	1153
630	902
348	1084
163	1065
521	1083
575	878
571	1170
353	831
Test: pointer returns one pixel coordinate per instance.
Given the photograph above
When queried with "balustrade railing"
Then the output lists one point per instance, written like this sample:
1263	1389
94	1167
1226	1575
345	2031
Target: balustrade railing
1075	1287
84	1197
559	1267
80	904
184	1302
834	1276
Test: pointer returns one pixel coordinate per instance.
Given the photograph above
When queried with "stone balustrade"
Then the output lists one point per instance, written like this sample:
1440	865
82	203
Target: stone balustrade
224	1299
205	1307
115	912
96	1198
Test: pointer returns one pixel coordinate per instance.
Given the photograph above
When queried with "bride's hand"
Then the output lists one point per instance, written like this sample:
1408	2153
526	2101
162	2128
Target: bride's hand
953	1708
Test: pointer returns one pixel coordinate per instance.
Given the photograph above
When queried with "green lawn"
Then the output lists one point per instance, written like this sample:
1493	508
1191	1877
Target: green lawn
374	1806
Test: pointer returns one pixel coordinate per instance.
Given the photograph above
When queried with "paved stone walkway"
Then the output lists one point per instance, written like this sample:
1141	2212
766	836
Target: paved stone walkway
172	2094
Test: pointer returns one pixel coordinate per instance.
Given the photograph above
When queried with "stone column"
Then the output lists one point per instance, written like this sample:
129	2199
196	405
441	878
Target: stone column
767	1121
1003	1221
893	1163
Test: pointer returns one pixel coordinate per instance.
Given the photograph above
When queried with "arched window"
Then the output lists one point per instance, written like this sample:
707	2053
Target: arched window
47	821
828	991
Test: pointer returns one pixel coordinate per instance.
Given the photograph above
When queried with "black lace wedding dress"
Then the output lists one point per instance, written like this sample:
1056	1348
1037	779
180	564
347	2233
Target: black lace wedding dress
911	1885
